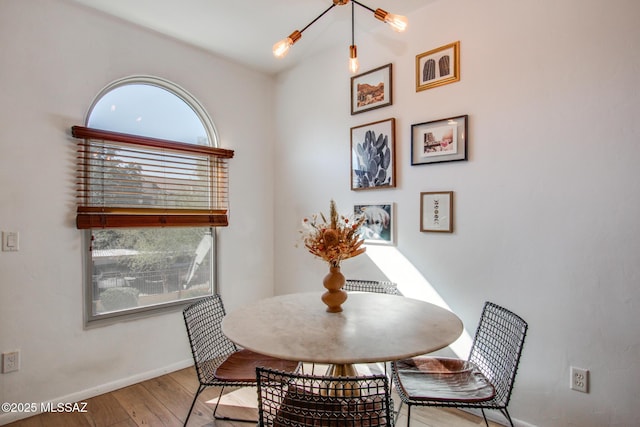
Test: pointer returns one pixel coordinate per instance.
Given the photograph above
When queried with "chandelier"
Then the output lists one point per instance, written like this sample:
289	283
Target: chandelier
397	22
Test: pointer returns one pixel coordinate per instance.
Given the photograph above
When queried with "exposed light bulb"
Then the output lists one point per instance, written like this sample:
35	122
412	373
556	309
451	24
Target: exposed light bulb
399	23
281	48
354	65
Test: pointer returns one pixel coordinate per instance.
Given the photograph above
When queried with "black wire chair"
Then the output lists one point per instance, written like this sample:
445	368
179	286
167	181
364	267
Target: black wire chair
377	286
485	380
297	400
218	361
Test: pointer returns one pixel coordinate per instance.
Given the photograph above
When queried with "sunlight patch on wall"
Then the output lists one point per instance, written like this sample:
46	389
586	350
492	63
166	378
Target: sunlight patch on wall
413	284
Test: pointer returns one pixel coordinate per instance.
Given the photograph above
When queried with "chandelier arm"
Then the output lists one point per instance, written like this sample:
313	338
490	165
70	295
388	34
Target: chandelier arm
353	22
319	16
397	22
362	5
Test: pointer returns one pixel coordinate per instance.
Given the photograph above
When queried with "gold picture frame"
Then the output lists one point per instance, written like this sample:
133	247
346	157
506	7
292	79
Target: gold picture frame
438	67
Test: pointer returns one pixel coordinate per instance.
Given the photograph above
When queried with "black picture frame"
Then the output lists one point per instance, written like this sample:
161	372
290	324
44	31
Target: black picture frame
444	140
372	89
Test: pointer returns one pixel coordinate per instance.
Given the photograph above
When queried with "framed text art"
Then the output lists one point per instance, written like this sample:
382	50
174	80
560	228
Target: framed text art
438	67
379	223
371	90
437	141
436	211
373	155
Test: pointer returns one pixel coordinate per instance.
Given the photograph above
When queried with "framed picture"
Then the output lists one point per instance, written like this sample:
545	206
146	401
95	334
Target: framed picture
442	140
438	67
373	155
371	90
379	223
436	211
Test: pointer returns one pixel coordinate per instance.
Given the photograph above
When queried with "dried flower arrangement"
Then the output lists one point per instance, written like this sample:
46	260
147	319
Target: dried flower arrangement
334	240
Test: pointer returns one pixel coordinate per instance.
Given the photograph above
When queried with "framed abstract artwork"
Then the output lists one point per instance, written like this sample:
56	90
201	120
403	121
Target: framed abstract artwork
373	155
436	211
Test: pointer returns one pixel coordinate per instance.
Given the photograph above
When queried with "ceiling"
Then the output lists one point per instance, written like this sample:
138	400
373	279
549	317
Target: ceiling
245	30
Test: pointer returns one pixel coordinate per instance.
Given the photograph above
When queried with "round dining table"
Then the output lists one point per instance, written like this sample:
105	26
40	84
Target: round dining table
371	328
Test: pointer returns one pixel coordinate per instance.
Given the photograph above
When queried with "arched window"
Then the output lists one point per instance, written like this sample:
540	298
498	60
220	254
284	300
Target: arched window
154	108
152	184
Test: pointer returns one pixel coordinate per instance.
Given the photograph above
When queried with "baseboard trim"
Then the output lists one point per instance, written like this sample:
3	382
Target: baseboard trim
497	417
6	418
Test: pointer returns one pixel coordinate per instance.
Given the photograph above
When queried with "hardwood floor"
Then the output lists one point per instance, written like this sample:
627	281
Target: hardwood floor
164	401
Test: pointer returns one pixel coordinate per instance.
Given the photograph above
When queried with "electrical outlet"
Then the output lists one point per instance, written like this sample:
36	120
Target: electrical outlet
580	379
10	361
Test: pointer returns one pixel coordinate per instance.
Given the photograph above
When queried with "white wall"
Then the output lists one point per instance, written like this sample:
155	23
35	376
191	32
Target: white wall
55	57
546	207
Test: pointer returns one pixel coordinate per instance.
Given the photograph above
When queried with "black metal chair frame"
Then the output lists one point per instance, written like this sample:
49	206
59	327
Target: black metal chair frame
496	352
300	400
376	286
210	348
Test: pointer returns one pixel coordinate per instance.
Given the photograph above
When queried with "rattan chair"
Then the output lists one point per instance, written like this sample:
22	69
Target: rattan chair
298	400
485	380
218	361
377	286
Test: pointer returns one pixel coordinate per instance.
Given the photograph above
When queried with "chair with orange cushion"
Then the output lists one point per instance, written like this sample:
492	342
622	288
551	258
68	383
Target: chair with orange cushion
218	361
485	380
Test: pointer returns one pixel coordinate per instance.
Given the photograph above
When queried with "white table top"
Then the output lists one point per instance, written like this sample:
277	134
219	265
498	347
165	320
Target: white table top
371	328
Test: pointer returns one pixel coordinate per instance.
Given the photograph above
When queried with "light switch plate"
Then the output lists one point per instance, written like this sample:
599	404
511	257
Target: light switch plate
10	241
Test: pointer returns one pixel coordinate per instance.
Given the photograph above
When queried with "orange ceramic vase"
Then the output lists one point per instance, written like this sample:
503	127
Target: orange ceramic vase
335	296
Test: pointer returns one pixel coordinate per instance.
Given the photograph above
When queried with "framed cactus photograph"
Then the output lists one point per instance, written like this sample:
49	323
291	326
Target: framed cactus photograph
373	155
438	67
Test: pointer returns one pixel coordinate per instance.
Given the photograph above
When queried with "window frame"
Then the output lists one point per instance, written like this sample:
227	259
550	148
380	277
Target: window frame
109	318
187	98
95	320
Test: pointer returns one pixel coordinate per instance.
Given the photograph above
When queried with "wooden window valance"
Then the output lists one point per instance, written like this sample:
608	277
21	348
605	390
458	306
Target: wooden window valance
132	181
